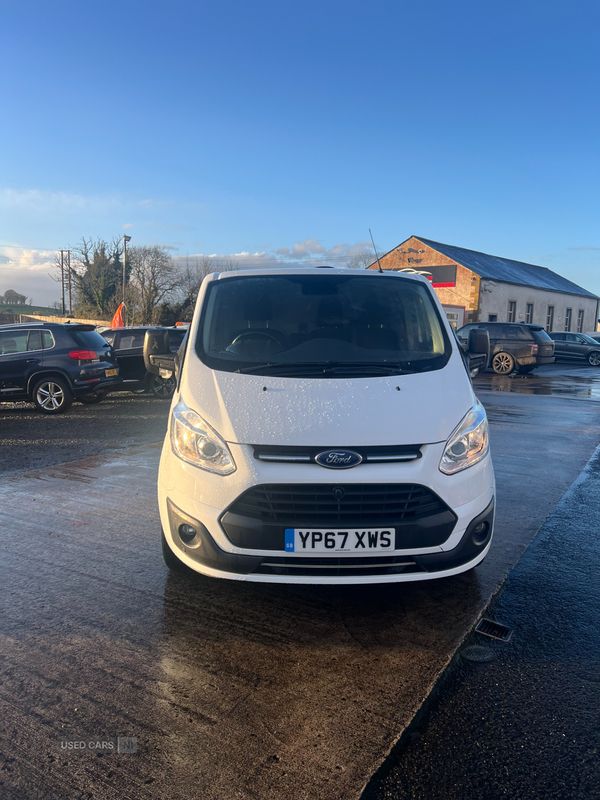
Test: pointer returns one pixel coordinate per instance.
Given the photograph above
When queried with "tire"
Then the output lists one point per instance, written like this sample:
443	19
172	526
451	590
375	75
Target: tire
161	388
52	395
503	364
169	556
526	369
91	399
594	358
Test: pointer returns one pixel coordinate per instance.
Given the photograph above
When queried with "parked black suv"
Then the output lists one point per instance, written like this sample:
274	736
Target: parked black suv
128	347
576	347
52	364
513	345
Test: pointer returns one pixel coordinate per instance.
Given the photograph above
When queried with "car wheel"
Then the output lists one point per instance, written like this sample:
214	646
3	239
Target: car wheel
526	369
92	398
169	556
594	358
503	364
162	388
52	395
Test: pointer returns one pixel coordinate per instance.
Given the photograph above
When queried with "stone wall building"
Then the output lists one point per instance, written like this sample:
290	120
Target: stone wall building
476	287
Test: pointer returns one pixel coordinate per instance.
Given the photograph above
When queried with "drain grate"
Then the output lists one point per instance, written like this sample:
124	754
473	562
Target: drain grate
495	630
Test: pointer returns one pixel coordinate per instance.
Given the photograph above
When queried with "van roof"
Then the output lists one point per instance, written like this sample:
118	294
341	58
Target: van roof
324	271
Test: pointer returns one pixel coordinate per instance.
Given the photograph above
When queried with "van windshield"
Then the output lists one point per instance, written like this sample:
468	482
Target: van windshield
322	326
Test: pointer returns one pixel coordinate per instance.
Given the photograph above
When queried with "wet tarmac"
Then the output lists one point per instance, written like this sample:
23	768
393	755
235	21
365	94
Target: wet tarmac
562	379
520	719
231	690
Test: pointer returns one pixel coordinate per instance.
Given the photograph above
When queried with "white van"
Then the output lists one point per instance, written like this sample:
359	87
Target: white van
324	430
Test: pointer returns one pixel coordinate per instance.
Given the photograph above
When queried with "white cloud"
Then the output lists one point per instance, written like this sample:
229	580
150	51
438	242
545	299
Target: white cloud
302	254
128	225
27	272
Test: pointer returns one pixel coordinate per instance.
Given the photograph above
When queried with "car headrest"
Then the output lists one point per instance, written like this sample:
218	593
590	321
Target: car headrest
9	346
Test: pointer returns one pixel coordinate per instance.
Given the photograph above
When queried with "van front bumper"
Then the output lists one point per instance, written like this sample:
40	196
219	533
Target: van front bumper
228	546
202	554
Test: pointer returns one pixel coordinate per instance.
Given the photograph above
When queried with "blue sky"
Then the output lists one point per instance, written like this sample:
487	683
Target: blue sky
238	128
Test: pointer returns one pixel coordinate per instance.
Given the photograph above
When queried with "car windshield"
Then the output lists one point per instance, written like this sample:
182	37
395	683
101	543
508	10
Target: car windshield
589	339
321	326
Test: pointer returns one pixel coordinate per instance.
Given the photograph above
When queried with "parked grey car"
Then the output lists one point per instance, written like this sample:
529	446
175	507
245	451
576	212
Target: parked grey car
513	345
576	347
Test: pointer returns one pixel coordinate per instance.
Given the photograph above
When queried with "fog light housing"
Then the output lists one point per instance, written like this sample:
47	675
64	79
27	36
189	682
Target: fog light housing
186	533
480	533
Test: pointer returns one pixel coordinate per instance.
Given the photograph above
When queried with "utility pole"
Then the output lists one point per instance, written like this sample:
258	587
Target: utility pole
62	280
69	268
125	240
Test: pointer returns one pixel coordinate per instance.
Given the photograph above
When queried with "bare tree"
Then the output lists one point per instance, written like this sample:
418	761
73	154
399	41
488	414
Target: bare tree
362	260
191	274
153	279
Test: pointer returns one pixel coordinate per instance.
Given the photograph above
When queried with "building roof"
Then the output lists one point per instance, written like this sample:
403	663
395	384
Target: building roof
506	270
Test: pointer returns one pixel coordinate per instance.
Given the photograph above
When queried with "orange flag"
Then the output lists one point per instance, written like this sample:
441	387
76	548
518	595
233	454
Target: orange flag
117	320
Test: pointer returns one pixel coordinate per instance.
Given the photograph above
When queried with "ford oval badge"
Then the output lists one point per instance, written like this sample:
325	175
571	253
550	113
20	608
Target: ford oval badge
338	459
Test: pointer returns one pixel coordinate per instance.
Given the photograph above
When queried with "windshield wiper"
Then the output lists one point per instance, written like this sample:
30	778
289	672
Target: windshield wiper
328	367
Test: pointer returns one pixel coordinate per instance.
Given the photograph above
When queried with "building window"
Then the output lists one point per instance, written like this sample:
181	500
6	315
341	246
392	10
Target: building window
550	318
512	311
580	320
529	314
492	317
568	316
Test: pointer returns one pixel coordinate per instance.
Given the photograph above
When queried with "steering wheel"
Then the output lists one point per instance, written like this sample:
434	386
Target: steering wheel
264	334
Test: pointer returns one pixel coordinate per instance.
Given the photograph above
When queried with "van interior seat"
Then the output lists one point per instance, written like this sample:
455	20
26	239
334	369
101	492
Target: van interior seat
331	323
258	313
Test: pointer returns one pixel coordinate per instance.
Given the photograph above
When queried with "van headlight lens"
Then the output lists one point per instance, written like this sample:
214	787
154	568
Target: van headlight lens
468	443
194	441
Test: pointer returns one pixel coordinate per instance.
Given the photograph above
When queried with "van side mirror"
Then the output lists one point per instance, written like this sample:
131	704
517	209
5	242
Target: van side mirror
156	343
478	350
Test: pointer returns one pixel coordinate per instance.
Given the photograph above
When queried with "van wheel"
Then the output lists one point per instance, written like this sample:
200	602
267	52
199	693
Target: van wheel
169	556
503	364
52	395
594	358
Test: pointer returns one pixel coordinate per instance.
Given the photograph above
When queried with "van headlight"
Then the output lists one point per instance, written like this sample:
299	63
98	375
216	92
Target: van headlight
468	443
194	441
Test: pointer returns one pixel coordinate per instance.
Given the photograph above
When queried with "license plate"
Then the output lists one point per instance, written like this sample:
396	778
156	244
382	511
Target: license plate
110	373
349	541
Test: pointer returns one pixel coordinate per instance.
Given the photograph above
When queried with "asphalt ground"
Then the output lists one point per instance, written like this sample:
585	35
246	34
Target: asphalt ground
519	719
231	690
30	440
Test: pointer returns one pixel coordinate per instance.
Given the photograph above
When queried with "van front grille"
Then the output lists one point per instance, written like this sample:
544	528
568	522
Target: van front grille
338	505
